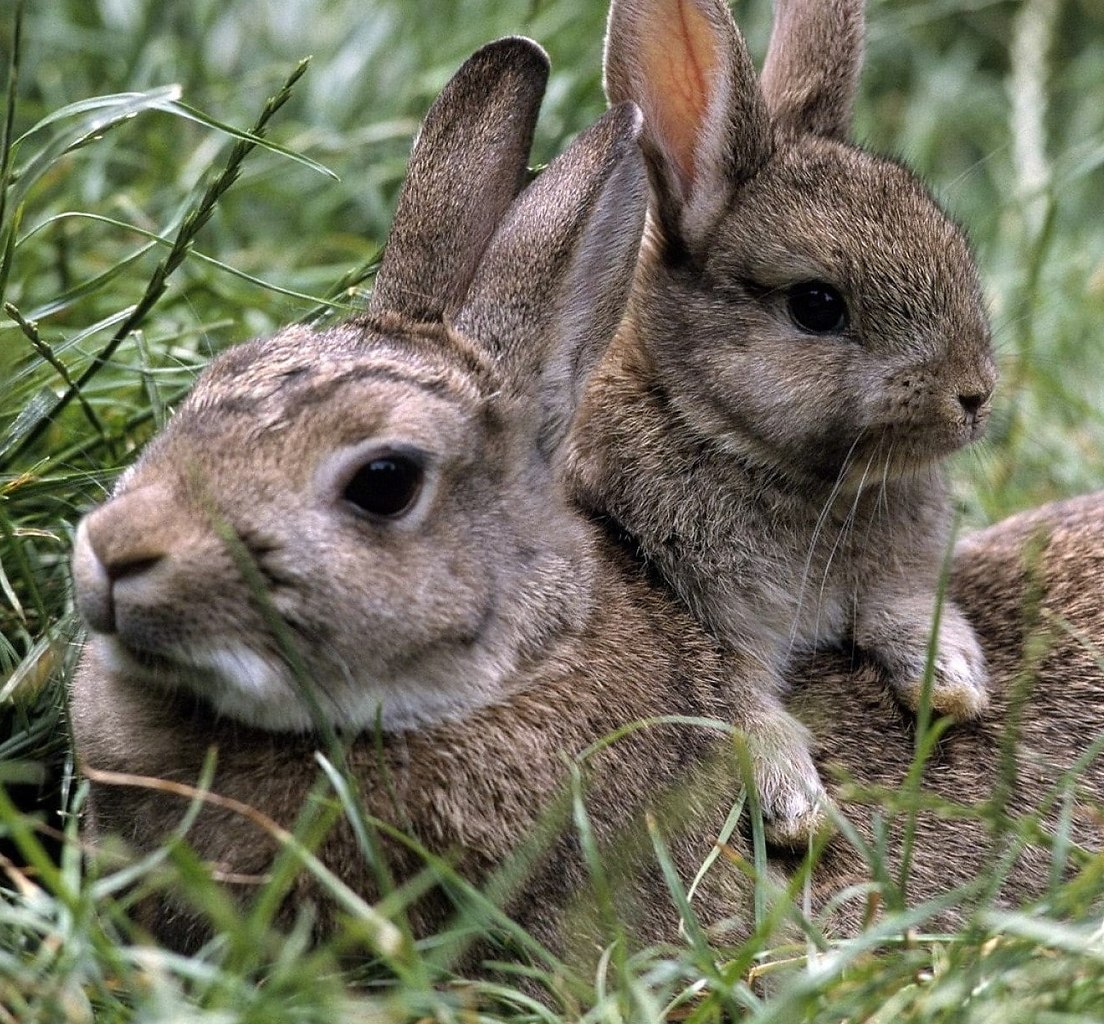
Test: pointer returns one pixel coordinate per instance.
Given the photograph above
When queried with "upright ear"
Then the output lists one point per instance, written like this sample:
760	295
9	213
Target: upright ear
706	128
553	286
467	165
812	68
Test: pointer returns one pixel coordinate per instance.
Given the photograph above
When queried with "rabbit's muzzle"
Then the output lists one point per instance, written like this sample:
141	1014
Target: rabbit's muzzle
138	565
933	414
142	570
117	554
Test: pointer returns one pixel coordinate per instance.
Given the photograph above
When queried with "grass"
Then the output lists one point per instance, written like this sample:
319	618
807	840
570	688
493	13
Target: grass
140	233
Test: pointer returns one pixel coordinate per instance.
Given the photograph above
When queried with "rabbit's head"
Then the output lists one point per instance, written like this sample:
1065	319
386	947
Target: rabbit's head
364	522
807	303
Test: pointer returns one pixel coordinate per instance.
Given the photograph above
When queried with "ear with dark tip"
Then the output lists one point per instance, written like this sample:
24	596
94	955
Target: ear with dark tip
812	69
706	128
467	165
553	286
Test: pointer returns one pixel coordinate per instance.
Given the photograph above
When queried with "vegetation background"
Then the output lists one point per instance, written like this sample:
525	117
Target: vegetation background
129	255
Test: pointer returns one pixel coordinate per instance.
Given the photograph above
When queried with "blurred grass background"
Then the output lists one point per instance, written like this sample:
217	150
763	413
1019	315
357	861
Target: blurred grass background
998	103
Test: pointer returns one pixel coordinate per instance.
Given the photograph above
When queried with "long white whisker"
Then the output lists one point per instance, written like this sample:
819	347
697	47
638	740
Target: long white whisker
883	493
845	470
845	528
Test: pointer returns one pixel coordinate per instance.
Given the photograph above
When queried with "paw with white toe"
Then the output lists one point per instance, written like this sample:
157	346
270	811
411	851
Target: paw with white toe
792	798
959	686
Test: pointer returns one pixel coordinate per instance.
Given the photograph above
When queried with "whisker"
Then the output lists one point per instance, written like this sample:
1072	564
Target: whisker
845	528
822	518
883	491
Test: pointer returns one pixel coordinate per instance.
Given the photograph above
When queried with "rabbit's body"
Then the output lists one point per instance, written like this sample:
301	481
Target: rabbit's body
805	341
362	530
474	790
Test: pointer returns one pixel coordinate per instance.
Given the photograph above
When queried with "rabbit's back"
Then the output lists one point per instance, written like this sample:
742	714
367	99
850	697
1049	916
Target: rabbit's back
1030	585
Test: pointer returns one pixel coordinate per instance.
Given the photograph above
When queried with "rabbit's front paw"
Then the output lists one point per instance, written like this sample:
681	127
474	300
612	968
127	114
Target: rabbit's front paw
961	677
792	798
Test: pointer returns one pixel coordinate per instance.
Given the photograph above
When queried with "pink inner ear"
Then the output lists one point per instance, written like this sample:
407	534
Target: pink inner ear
679	53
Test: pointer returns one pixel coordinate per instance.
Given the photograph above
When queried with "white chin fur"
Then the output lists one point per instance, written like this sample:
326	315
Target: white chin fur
239	683
248	687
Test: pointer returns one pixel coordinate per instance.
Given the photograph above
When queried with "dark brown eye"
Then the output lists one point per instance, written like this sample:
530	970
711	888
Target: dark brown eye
386	487
817	308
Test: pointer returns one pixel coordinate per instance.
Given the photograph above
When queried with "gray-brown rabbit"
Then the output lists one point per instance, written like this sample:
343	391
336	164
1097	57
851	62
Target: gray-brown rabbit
385	492
450	360
806	340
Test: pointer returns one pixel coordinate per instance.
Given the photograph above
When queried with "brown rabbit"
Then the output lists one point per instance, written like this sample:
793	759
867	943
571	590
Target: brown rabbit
805	342
362	529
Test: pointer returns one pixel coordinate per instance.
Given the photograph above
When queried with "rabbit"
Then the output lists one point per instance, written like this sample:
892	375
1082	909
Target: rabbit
476	368
363	529
806	340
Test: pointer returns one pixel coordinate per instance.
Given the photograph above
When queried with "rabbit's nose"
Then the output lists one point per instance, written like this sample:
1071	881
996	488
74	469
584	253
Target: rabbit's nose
973	403
117	543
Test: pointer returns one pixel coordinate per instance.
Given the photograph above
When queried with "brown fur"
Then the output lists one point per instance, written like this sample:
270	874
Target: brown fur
489	630
785	483
588	644
1031	588
473	791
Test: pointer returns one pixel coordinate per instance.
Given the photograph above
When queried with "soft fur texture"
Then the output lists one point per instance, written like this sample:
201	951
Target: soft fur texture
554	637
474	788
489	632
785	482
1031	587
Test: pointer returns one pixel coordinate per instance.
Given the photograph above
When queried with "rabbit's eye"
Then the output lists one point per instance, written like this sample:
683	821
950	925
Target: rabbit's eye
817	308
386	487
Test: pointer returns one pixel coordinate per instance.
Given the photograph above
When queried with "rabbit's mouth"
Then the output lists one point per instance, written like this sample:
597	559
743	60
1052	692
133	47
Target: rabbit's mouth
902	461
231	678
904	447
920	449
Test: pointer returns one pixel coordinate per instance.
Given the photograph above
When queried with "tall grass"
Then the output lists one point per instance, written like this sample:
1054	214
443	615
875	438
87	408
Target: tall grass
173	179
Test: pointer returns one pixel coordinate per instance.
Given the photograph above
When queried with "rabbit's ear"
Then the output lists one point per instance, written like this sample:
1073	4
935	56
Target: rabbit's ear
552	288
812	67
706	127
467	165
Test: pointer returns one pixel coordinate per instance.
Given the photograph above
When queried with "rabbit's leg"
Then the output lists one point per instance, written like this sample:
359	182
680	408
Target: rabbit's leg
898	632
791	795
